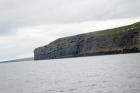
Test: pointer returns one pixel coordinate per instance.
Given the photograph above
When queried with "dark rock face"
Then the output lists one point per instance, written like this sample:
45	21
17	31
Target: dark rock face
113	41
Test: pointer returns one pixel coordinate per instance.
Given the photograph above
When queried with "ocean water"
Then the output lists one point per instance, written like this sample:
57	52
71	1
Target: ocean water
97	74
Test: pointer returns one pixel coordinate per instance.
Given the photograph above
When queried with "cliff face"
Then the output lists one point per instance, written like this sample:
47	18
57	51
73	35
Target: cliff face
112	41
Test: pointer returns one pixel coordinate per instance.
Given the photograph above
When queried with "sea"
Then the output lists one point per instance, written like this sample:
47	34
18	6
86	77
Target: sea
95	74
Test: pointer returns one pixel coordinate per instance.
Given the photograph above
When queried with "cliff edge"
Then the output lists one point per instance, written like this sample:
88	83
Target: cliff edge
124	39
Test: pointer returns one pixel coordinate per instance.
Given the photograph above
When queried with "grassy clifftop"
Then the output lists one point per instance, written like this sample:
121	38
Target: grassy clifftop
114	31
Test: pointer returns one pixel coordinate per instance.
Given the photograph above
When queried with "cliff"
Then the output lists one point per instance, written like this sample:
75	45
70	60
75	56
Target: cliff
124	39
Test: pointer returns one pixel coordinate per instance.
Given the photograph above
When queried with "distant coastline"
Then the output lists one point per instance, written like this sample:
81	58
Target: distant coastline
18	60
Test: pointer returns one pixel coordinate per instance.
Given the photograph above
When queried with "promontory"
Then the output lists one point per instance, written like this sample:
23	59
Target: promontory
119	40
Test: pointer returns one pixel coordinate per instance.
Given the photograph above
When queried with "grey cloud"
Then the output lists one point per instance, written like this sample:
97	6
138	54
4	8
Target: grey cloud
17	13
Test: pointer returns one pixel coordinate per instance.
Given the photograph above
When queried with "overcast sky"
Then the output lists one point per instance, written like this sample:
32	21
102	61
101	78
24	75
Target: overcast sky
27	24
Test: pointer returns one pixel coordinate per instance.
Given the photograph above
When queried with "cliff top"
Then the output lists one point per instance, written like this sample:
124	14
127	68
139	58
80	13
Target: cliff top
108	32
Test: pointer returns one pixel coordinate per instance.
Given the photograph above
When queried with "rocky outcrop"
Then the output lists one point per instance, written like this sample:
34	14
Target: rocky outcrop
112	41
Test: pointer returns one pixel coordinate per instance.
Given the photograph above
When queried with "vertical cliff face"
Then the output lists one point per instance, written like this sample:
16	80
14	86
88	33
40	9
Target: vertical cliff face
119	40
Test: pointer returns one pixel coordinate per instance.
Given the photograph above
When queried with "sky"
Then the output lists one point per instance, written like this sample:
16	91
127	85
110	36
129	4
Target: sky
28	24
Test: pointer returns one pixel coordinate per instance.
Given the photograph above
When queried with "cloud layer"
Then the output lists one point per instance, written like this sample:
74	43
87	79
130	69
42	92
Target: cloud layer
18	13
